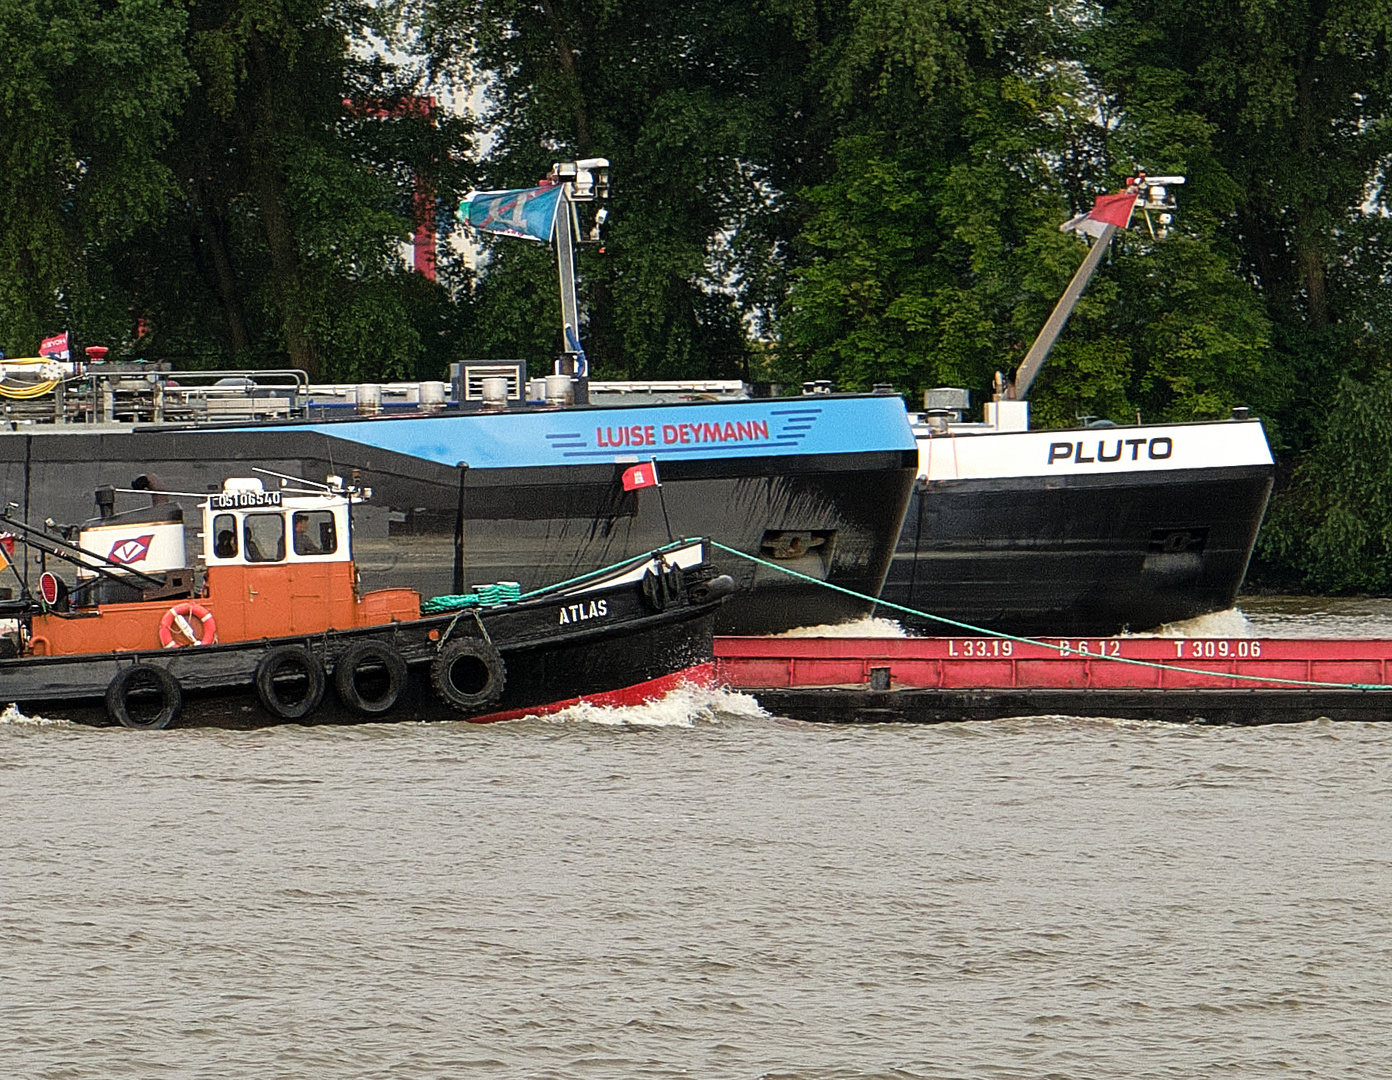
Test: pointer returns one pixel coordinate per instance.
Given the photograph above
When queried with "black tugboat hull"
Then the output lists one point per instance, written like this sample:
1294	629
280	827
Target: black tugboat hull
604	645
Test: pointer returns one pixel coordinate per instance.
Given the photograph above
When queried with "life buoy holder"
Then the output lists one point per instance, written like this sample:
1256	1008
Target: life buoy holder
176	628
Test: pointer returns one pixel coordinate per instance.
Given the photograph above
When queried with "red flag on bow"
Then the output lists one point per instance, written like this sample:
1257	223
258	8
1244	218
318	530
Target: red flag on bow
1107	210
640	476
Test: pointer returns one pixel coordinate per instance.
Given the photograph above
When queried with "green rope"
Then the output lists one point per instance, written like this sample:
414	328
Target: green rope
592	574
449	602
439	604
982	632
503	592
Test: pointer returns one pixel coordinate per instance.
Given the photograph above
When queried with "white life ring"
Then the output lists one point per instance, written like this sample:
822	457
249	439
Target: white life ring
176	628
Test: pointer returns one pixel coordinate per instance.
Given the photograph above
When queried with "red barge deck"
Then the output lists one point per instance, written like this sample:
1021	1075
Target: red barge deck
1185	680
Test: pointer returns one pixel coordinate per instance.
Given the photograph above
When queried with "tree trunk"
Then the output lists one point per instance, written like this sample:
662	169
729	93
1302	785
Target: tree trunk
212	233
566	56
1309	255
269	184
1310	268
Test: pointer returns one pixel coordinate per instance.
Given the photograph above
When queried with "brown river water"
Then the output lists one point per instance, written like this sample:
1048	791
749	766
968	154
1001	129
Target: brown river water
697	889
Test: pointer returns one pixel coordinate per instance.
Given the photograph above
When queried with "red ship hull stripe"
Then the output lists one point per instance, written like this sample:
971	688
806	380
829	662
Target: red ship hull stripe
700	676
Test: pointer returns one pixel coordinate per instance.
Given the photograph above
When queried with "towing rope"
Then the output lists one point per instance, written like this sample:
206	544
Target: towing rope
510	595
1065	650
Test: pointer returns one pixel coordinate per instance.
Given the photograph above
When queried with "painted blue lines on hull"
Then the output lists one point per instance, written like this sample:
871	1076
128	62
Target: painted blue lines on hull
702	429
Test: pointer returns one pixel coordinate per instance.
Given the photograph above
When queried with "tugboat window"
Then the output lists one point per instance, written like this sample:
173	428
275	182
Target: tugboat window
264	536
225	536
314	532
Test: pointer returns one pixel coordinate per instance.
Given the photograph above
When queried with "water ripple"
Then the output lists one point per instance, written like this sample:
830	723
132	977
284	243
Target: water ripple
697	889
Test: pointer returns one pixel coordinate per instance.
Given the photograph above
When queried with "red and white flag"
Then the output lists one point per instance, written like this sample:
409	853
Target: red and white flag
1107	210
640	476
56	347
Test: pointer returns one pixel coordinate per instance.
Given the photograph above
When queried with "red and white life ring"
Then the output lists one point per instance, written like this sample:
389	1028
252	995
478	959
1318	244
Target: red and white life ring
176	628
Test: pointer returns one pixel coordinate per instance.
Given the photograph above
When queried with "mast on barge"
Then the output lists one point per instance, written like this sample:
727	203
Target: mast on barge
1149	194
547	214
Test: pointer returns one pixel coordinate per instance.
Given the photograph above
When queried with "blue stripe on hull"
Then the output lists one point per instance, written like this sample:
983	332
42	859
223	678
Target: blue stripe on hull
833	425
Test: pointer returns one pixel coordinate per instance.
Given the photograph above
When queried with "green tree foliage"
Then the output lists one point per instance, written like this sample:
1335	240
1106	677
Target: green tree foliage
299	165
222	184
1333	528
89	93
697	105
1294	96
933	255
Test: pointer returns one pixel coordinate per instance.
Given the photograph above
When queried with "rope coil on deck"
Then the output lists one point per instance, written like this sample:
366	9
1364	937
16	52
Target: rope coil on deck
979	631
503	592
26	391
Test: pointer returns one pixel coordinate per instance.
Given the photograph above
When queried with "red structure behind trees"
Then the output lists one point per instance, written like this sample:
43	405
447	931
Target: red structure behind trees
423	203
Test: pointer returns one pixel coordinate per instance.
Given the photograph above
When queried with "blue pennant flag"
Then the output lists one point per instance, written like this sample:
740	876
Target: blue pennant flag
529	213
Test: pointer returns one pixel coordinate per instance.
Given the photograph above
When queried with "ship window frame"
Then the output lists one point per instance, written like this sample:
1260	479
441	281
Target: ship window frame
250	544
313	518
228	523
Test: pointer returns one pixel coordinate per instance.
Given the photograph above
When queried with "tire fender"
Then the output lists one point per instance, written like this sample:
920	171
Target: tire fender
468	674
139	678
353	659
283	661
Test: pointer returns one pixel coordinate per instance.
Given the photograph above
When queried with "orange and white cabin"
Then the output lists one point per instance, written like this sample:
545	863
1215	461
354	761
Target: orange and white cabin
276	563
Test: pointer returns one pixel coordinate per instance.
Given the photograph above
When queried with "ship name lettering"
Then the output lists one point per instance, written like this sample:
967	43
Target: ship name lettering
574	613
1157	449
745	430
629	435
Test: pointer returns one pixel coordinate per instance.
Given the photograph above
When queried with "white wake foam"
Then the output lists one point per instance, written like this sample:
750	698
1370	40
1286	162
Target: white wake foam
1216	624
12	715
686	706
861	628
